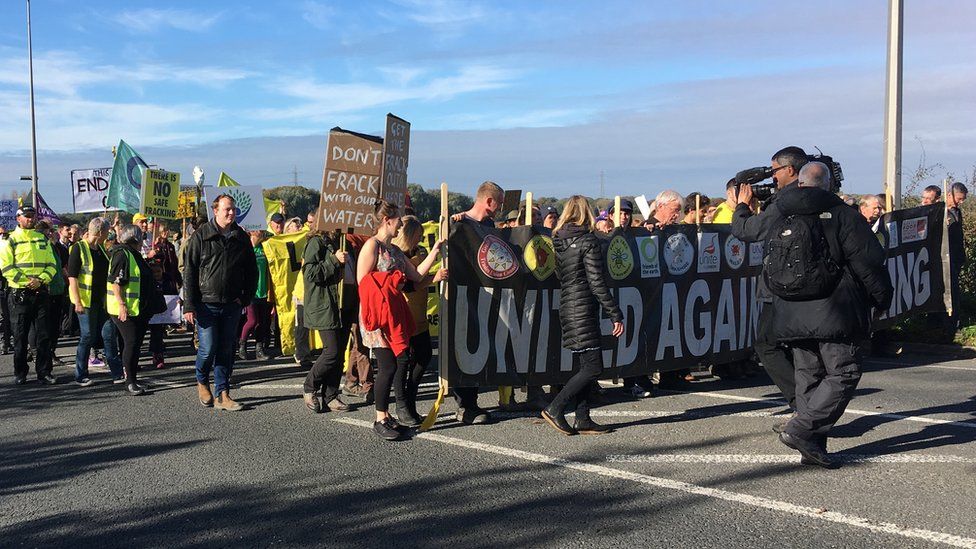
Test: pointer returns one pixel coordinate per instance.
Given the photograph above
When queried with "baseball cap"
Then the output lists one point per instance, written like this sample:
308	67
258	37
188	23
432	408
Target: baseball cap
512	215
26	211
139	217
549	210
277	218
625	206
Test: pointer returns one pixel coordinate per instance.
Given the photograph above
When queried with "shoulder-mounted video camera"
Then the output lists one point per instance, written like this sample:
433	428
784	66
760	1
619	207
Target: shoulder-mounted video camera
754	177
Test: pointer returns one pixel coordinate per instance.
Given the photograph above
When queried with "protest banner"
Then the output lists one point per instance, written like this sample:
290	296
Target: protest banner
351	182
173	313
431	231
284	254
89	189
160	193
187	207
271	206
248	201
396	156
8	214
915	244
43	210
511	201
125	185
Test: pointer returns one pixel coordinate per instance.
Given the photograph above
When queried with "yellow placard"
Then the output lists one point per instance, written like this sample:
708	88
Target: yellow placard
160	193
187	205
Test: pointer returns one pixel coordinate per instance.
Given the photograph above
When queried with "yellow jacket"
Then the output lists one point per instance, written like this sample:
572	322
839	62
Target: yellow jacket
25	254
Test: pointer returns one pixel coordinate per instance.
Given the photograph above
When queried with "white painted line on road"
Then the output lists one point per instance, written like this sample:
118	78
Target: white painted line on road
785	458
904	365
646	414
714	493
852	411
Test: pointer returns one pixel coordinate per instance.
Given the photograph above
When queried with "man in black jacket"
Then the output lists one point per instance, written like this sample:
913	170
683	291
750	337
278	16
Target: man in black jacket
776	359
219	279
824	334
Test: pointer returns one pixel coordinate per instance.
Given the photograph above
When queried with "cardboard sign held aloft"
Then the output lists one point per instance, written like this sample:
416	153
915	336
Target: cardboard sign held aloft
248	205
187	204
351	182
511	203
396	154
160	193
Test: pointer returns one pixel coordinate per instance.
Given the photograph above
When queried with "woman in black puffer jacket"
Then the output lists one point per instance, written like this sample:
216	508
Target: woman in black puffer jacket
579	266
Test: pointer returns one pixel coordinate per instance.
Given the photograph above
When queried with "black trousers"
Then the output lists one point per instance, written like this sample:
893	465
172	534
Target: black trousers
30	310
156	343
421	351
581	388
57	306
327	370
303	350
390	371
133	332
827	374
775	358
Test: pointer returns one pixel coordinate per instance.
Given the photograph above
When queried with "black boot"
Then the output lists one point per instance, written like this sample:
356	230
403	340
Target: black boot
557	421
262	352
242	350
406	412
586	426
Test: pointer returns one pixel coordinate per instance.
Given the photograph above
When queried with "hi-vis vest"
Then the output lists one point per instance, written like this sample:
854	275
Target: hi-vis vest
130	292
85	274
27	253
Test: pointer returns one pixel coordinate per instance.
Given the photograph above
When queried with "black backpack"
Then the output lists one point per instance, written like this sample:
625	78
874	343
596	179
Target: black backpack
797	265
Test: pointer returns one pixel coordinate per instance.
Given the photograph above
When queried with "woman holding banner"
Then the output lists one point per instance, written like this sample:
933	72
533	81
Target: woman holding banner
386	323
579	267
421	347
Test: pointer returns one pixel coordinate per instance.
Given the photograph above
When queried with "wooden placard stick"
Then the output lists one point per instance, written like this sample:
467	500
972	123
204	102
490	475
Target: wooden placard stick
528	209
444	338
947	258
616	211
698	211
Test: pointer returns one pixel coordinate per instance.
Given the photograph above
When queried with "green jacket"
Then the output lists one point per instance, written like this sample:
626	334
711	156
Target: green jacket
322	274
58	285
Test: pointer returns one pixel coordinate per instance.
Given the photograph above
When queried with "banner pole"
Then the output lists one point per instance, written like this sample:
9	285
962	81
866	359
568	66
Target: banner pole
947	258
444	338
698	211
616	211
528	209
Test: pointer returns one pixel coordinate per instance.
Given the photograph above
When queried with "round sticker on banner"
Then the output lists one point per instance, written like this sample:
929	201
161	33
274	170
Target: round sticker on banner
540	257
496	259
620	259
678	254
735	252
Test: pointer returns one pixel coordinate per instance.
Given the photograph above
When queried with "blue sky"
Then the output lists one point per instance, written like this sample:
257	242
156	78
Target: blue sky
540	96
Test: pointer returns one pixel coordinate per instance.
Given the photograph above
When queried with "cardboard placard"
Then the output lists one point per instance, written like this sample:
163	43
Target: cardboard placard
396	154
160	193
351	182
89	189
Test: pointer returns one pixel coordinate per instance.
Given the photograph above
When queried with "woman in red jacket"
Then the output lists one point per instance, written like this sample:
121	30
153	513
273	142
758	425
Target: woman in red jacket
385	319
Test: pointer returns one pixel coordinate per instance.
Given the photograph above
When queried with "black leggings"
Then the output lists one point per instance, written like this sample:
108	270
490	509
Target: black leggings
581	387
133	331
327	370
390	370
421	351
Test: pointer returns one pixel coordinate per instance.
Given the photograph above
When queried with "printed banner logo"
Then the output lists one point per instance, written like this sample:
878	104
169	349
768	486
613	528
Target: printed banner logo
649	258
735	252
892	234
242	202
678	254
915	229
755	254
620	260
496	259
708	252
540	257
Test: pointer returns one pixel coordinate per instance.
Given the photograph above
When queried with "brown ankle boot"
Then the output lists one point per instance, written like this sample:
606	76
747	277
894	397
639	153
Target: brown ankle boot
204	394
224	402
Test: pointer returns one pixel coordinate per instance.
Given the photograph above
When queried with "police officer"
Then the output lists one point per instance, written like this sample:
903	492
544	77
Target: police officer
28	264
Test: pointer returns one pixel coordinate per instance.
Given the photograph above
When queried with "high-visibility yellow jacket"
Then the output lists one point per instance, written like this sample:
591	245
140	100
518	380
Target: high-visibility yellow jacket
130	292
85	274
27	253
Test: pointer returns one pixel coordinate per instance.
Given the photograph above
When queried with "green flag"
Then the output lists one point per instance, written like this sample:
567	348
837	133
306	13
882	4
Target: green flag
125	187
271	206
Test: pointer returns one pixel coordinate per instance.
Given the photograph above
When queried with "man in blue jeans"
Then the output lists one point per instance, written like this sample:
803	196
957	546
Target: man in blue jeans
87	270
219	279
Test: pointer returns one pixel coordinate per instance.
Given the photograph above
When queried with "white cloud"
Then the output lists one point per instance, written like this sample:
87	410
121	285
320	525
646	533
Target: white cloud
440	13
317	14
324	101
148	19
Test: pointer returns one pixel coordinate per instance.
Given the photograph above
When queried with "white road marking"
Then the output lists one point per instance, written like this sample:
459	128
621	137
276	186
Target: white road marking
852	411
909	365
784	458
714	493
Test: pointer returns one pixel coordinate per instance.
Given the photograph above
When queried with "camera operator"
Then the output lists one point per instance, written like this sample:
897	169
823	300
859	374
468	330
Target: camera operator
826	271
777	360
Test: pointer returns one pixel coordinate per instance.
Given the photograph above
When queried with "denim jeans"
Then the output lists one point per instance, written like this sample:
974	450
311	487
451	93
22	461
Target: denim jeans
217	329
96	318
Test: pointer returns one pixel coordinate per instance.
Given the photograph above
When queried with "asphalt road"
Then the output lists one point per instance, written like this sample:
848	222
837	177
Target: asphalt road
94	467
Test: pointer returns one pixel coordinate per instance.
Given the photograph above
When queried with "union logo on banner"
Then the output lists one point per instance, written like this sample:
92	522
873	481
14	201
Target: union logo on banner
496	259
678	254
620	260
708	252
735	252
540	257
649	257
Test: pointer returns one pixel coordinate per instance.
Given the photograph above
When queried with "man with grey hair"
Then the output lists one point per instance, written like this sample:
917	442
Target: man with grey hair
815	174
870	207
87	273
668	207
